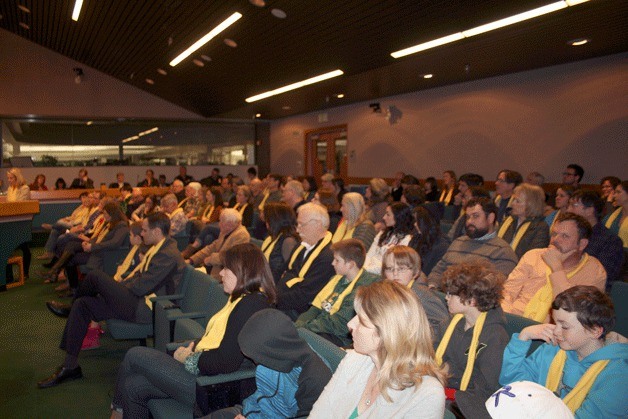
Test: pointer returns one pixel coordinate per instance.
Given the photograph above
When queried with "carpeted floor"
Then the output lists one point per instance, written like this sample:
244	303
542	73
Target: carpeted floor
29	338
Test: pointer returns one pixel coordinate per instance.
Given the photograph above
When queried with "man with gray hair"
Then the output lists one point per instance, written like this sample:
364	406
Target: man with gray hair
170	207
309	267
232	232
178	189
292	194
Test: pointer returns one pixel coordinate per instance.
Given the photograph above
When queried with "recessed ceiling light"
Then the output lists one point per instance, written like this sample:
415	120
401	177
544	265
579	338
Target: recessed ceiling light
539	11
88	123
77	10
278	13
206	38
286	108
578	42
206	58
24	25
296	85
428	76
198	62
231	43
340	95
258	115
150	81
258	3
162	71
23	8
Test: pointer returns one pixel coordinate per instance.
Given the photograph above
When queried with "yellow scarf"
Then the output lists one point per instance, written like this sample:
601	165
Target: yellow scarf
268	246
554	219
446	199
576	396
622	229
182	203
143	267
613	217
518	235
261	204
102	233
342	232
327	292
310	259
216	328
539	305
208	212
98	225
241	208
126	263
175	212
475	340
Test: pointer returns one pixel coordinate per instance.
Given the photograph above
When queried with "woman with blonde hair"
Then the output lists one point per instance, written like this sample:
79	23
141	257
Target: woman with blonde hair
391	372
355	223
525	229
18	189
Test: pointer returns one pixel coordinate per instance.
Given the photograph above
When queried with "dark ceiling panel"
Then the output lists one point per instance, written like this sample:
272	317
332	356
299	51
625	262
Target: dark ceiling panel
130	40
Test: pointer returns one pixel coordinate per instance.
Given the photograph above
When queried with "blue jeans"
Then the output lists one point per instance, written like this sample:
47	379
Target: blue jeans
146	374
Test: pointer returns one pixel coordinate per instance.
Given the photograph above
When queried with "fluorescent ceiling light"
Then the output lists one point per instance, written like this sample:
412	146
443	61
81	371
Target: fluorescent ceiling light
296	85
77	10
488	27
205	39
530	14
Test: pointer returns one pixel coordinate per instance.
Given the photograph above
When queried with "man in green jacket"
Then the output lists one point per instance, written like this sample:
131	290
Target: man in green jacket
332	308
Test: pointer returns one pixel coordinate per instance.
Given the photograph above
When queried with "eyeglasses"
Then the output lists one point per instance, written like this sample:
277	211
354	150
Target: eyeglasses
397	269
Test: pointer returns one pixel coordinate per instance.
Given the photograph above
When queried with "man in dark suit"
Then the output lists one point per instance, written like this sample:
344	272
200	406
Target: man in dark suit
100	297
119	181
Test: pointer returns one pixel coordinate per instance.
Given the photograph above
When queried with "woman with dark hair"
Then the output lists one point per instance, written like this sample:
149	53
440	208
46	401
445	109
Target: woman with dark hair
39	184
309	187
339	187
147	373
328	199
148	207
428	240
60	184
210	212
617	221
431	189
281	223
399	226
114	235
607	185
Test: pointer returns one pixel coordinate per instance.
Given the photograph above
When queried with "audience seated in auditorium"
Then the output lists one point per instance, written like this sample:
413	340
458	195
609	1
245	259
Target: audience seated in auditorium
148	373
327	181
178	189
354	223
431	189
573	175
339	188
603	245
119	183
617	221
449	190
204	229
251	175
607	185
309	188
149	180
464	183
396	189
402	264
100	297
82	181
146	208
232	233
474	342
332	307
428	239
178	220
257	192
525	228
162	181
281	223
327	198
244	205
543	273
39	184
192	201
309	267
458	228
561	202
377	199
60	184
292	194
183	176
480	242
289	376
398	231
505	184
272	192
582	361
227	190
413	195
391	373
213	179
125	197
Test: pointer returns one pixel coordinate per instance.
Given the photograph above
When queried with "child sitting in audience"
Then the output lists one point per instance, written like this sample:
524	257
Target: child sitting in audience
332	308
474	342
581	362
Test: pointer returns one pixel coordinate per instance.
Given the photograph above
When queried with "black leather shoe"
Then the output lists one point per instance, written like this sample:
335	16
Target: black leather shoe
59	309
60	375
